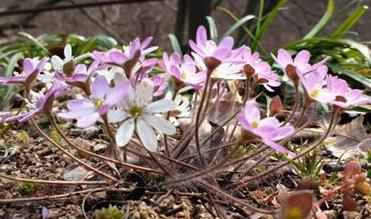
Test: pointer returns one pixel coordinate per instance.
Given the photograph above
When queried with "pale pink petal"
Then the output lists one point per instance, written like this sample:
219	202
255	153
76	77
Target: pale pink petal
302	58
88	120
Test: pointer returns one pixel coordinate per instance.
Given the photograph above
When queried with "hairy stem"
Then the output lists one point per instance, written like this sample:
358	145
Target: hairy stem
239	184
104	158
82	163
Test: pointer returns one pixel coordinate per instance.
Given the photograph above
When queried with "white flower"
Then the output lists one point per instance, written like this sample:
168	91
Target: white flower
142	115
58	62
182	109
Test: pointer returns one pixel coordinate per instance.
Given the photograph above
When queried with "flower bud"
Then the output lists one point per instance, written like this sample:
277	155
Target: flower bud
297	205
249	70
292	74
275	106
68	68
211	63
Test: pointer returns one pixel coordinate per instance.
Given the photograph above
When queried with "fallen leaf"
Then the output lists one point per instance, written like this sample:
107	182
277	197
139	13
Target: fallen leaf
350	140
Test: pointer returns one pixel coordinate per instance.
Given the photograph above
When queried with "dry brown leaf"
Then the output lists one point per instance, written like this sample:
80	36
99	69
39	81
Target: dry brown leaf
350	140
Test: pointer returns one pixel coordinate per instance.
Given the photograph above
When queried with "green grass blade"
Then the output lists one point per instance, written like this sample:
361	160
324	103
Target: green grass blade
35	41
175	44
105	42
260	15
212	28
267	21
88	46
9	72
349	22
323	22
247	31
13	63
238	24
363	49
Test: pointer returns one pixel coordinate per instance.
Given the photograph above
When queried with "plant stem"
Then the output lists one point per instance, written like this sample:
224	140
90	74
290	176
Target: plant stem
81	150
205	171
198	121
239	184
295	107
233	199
87	166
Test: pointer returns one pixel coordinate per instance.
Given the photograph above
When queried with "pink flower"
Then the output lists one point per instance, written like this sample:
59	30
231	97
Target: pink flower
160	85
135	50
300	62
40	102
267	129
315	85
344	96
253	65
297	67
183	70
31	68
88	110
208	48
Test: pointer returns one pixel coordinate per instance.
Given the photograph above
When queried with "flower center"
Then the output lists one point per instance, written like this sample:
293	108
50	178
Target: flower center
254	125
98	103
136	111
183	75
314	93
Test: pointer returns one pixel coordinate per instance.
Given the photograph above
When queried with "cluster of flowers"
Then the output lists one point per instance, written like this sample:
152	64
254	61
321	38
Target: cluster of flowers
118	87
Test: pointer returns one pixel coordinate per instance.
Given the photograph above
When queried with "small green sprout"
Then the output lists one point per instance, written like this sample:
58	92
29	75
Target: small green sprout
112	212
27	188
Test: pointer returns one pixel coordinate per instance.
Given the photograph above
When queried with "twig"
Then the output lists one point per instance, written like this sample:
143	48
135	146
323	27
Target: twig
49	197
54	182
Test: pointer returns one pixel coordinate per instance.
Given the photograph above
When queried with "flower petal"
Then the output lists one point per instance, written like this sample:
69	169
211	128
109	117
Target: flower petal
68	51
161	106
57	62
146	135
125	132
115	116
277	147
302	58
88	120
100	87
161	124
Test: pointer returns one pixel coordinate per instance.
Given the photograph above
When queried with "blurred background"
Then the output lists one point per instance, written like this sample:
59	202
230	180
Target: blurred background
126	19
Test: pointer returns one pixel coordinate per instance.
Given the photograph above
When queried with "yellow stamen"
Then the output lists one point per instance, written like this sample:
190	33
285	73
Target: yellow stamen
315	93
255	125
136	111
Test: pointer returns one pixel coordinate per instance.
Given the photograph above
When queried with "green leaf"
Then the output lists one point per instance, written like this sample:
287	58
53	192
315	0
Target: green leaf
267	21
360	47
88	46
260	16
175	44
9	72
349	22
212	28
35	41
13	63
322	23
105	41
238	24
